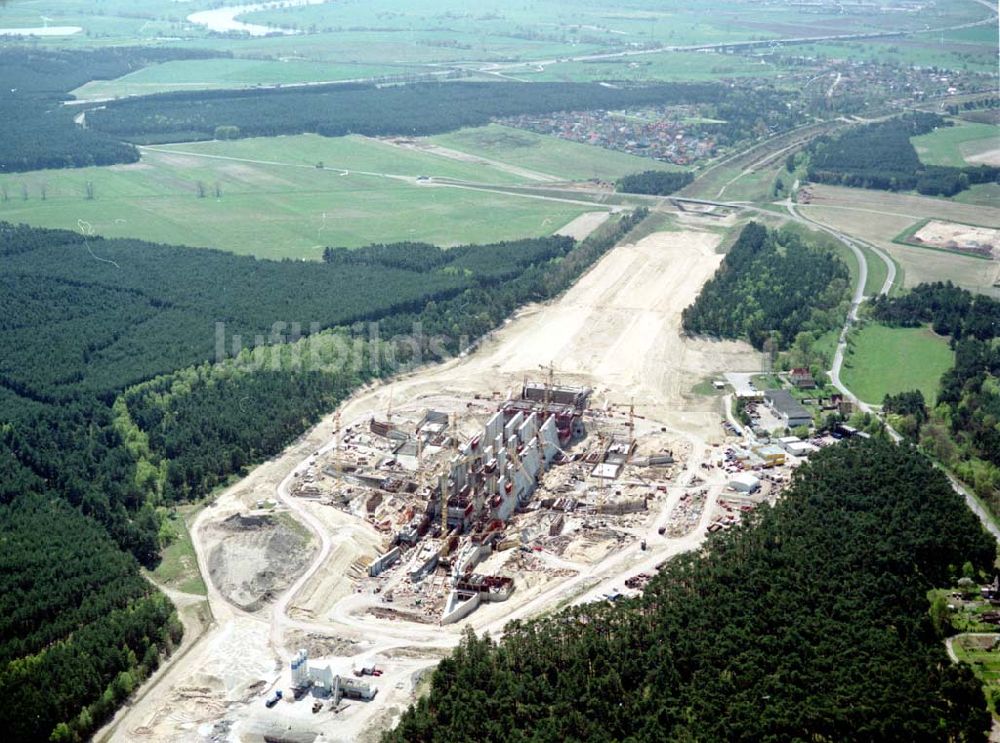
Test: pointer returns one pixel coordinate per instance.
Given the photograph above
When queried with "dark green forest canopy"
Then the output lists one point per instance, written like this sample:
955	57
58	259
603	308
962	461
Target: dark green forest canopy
948	309
771	284
79	627
93	315
655	182
808	622
39	131
415	109
881	156
83	319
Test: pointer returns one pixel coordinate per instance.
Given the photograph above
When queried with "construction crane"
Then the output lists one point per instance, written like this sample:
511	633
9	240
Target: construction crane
549	382
631	414
446	478
336	446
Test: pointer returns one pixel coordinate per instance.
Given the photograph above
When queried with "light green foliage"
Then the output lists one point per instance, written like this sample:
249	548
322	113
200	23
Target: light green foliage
883	360
178	566
671	66
204	74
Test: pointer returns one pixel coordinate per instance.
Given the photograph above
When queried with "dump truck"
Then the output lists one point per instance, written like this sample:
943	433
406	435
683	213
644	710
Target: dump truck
274	698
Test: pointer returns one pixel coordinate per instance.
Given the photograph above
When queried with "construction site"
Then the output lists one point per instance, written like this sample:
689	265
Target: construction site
476	495
562	462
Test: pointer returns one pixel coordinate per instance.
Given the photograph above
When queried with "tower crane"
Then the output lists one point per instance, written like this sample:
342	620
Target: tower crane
336	446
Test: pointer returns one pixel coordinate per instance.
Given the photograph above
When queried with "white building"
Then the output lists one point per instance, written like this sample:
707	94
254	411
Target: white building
744	482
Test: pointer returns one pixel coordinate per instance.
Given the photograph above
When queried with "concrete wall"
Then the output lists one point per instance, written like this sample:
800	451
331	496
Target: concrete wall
455	611
470	557
549	436
494	427
419	572
512	425
377	567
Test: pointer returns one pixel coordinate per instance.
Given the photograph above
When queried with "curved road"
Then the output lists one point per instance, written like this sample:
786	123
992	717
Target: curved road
858	298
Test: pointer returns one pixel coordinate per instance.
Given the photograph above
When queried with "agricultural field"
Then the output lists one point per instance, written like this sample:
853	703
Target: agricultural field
959	145
982	194
275	202
882	361
757	185
920	50
205	74
496	23
880	217
408	32
545	154
666	66
969	239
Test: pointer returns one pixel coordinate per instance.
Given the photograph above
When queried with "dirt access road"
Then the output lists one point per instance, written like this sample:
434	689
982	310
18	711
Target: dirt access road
617	330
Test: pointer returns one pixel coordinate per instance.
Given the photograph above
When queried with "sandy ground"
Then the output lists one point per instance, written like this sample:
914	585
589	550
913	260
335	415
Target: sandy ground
583	225
915	207
990	157
428	147
951	235
616	330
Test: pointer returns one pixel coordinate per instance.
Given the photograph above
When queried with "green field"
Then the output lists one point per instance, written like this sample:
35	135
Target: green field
978	652
670	66
203	74
276	203
756	186
883	360
982	194
922	50
951	145
549	155
878	272
178	568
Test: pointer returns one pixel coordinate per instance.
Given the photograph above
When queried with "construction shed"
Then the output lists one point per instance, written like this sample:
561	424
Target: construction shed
800	449
788	408
772	455
744	482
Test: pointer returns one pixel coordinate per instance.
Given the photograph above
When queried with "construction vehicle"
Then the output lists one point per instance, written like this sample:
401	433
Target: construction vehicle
274	698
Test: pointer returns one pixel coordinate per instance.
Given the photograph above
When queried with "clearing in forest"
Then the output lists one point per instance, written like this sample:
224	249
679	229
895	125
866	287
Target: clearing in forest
885	361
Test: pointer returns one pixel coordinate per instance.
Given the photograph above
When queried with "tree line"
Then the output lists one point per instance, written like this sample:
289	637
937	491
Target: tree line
89	315
962	430
79	627
881	156
772	286
654	182
336	110
794	625
52	73
39	131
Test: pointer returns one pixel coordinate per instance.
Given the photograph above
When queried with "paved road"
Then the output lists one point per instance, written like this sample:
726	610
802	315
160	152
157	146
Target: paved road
974	505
